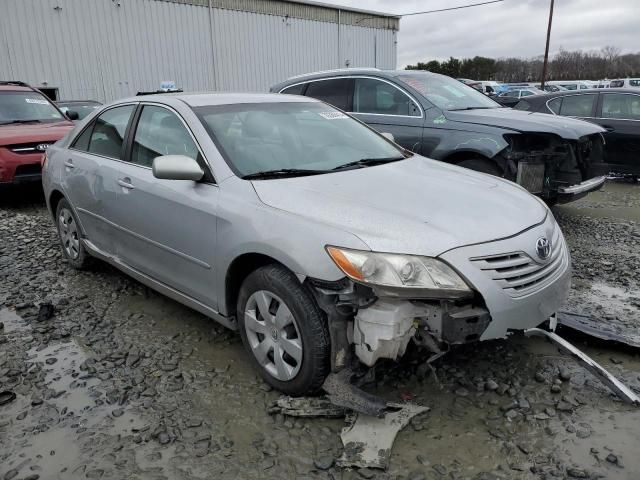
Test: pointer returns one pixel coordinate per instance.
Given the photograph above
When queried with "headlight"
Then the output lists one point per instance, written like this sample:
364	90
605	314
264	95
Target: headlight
400	274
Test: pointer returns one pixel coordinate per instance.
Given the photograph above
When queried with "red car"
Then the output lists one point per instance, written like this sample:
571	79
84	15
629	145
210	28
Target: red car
29	123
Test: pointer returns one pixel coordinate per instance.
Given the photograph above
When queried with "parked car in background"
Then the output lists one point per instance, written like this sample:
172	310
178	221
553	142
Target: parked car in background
81	107
317	238
439	117
550	88
571	84
493	88
512	97
625	83
472	83
29	124
617	110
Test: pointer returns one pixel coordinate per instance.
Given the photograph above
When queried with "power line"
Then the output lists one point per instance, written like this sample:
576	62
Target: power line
451	8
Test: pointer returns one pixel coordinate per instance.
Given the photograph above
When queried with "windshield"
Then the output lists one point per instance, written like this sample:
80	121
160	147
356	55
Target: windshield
83	109
447	93
26	107
301	136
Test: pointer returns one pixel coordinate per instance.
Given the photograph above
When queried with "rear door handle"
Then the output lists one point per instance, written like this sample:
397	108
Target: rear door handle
126	183
69	163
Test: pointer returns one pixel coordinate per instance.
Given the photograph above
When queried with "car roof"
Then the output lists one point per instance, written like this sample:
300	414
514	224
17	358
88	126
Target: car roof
210	99
58	102
348	72
566	93
15	88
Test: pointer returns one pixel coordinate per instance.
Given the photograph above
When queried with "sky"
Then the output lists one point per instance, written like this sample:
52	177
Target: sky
512	28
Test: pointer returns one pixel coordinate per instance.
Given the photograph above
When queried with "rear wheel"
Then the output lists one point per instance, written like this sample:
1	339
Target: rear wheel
481	165
70	236
283	330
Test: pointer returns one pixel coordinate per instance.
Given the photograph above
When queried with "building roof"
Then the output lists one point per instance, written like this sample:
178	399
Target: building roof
304	9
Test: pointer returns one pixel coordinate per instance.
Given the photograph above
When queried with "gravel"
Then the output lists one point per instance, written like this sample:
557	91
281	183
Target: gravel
124	383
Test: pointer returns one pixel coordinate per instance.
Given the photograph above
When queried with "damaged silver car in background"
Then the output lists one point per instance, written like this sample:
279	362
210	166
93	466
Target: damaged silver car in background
316	237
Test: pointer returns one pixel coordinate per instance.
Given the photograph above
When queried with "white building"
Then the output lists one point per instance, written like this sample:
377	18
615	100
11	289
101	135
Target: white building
108	49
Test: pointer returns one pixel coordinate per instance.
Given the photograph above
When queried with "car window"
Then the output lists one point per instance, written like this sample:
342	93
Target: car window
578	105
108	132
82	109
522	105
554	105
526	93
634	82
570	86
291	135
374	96
294	89
27	107
160	132
616	83
334	92
622	106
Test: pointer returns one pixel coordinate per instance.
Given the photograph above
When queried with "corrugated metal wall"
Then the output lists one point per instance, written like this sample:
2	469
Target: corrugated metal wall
97	49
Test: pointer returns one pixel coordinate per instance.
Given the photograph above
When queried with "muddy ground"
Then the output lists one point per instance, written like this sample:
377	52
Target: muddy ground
124	383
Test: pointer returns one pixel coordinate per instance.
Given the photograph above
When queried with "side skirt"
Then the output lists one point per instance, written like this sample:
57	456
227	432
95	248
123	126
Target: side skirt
161	287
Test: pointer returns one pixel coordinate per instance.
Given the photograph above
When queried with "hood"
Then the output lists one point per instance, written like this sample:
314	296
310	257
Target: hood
416	206
520	121
34	132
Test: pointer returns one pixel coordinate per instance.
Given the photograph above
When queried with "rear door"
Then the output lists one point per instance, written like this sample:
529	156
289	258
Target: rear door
619	113
88	174
388	108
166	228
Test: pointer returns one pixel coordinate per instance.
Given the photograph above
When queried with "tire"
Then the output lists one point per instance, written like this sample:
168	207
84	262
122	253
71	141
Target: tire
272	343
70	236
481	165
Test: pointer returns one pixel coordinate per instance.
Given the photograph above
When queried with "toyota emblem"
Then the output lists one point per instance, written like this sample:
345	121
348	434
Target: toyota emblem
543	248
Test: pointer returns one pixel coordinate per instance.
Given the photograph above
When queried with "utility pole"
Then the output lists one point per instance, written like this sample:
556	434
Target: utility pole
546	50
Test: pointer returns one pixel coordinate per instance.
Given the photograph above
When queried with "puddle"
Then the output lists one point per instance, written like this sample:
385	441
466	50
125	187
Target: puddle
12	321
61	376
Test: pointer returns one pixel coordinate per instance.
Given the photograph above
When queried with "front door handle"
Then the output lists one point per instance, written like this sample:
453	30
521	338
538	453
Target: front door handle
69	163
126	183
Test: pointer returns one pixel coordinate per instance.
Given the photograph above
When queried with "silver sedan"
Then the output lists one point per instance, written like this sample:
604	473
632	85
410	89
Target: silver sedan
320	240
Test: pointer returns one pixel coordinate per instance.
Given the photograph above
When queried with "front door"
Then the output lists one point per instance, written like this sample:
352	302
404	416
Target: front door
388	109
167	228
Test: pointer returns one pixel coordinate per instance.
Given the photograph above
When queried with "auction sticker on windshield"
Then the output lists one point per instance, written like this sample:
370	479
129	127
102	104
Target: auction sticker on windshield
332	115
36	100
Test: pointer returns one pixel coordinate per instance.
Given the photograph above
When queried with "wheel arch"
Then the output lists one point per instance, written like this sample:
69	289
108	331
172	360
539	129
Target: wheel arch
54	198
239	269
460	156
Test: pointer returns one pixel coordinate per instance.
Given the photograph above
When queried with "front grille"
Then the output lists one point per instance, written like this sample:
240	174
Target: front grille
531	176
26	148
519	274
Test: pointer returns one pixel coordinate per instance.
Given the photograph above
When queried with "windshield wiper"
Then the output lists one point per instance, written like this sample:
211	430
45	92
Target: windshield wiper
10	122
282	173
471	108
367	162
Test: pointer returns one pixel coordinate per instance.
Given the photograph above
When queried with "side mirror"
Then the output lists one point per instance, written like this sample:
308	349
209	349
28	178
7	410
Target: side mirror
388	136
176	167
72	115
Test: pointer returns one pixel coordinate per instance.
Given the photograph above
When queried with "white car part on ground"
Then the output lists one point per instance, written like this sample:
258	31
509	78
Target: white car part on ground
368	440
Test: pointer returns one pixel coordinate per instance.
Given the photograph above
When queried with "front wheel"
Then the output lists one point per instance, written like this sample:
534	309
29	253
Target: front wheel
283	330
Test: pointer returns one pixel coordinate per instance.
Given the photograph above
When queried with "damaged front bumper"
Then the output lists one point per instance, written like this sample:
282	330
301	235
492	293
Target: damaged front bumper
514	289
